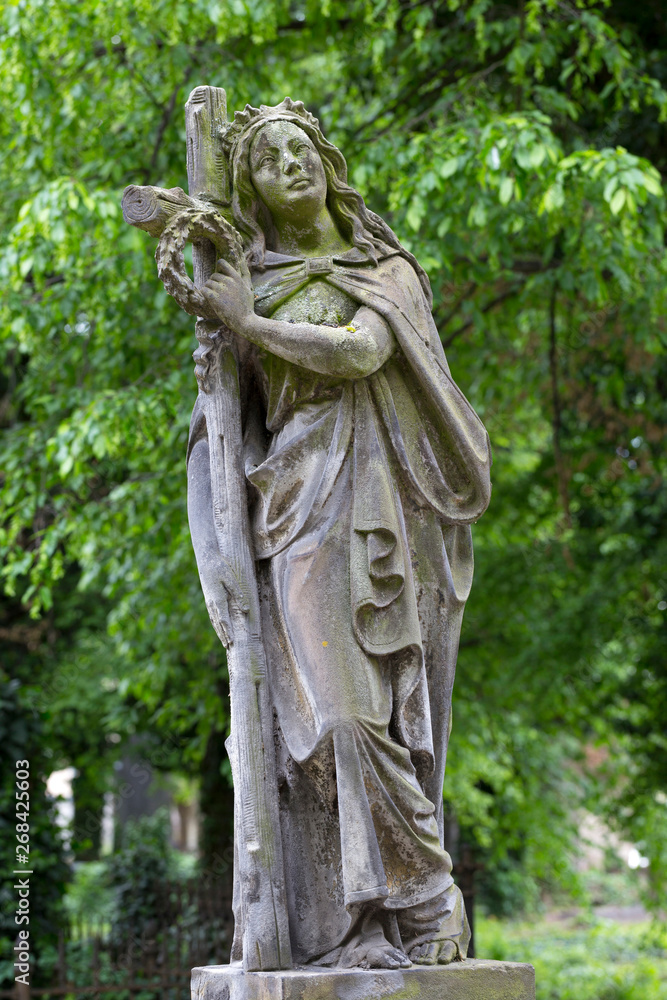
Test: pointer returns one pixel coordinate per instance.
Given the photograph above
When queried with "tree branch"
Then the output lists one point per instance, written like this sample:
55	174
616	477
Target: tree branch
487	308
143	83
444	79
167	113
465	294
556	420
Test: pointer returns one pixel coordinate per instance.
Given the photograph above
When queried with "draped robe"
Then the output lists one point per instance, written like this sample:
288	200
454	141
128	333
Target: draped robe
360	509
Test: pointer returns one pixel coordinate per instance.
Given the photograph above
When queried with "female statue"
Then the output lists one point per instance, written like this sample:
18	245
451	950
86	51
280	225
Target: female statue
365	467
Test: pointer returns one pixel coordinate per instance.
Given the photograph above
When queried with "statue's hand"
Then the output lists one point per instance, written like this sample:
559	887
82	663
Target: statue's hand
231	297
218	612
224	596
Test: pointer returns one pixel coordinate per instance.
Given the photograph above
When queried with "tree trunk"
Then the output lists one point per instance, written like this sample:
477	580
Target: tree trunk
464	874
88	812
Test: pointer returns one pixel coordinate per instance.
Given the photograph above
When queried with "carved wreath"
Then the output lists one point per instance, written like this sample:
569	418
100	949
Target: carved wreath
193	225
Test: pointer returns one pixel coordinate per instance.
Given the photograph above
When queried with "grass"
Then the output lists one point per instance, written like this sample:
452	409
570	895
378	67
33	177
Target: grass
583	959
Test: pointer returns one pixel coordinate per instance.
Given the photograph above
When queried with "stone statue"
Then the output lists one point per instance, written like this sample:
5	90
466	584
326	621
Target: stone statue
334	470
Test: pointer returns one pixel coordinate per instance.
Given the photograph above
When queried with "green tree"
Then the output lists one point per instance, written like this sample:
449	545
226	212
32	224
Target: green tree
518	152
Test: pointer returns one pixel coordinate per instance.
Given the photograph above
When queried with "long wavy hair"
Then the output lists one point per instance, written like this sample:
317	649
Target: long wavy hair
355	222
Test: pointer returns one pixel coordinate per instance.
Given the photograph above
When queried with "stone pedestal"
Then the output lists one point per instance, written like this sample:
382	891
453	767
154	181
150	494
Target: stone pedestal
471	980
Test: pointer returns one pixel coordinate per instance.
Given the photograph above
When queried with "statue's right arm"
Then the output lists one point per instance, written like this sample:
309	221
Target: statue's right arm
353	351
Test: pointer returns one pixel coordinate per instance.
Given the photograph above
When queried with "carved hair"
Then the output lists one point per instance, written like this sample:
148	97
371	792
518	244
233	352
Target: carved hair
366	230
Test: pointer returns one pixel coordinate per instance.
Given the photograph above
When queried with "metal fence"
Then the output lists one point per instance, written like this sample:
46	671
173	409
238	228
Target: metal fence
192	926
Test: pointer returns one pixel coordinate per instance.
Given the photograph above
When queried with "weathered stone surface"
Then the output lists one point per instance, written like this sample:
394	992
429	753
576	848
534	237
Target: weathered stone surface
470	980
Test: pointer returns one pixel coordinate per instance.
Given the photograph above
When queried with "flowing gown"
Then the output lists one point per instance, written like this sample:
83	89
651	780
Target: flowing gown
361	494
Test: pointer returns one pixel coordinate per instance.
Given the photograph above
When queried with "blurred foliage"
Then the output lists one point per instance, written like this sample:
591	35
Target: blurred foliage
621	888
136	872
519	152
507	888
89	896
604	961
120	890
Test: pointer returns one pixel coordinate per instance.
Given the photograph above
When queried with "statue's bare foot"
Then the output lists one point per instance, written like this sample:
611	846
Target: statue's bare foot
385	956
434	952
370	948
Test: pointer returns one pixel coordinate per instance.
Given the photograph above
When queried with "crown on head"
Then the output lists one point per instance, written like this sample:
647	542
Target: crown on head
231	132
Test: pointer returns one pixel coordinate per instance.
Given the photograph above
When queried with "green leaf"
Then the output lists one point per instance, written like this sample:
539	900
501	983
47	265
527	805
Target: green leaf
618	201
25	266
652	185
415	213
506	189
538	154
554	198
609	189
449	167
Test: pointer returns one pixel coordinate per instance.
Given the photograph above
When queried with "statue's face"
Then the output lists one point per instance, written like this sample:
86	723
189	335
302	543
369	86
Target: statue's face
287	172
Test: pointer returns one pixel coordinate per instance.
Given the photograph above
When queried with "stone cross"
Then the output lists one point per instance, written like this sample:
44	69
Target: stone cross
199	217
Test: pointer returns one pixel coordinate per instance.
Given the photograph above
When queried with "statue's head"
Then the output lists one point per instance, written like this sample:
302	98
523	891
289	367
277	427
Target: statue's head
262	142
287	172
267	148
